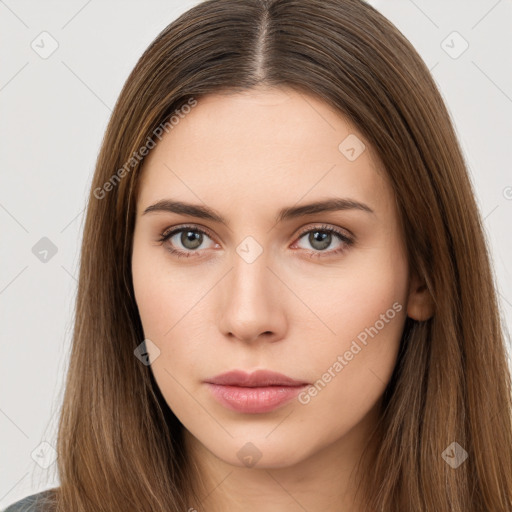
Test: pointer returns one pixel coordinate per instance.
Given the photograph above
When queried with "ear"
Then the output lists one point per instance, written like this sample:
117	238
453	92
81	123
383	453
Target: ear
420	305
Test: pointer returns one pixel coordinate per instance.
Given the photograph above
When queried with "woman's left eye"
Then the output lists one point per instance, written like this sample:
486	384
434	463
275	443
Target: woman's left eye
191	238
320	238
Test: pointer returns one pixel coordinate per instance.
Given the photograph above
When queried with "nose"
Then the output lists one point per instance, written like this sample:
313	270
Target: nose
252	305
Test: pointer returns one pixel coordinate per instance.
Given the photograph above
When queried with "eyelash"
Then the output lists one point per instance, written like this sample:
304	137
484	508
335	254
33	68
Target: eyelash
312	254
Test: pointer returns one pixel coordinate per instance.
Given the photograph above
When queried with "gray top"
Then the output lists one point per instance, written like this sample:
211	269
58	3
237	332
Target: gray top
31	503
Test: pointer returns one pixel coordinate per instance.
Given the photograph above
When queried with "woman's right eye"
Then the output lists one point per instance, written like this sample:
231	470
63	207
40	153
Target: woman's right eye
190	238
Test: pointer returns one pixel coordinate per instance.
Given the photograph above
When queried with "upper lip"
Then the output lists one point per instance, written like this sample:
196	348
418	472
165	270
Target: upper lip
259	378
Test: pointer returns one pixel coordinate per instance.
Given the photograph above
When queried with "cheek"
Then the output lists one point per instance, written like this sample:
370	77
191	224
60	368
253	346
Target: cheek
171	306
163	294
162	301
353	296
366	310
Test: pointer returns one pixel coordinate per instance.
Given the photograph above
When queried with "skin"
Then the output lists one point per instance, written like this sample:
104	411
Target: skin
247	155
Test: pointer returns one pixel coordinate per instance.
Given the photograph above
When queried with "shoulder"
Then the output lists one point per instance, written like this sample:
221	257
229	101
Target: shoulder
32	503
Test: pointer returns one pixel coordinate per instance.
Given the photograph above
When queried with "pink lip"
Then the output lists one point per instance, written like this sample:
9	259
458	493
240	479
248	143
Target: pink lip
258	392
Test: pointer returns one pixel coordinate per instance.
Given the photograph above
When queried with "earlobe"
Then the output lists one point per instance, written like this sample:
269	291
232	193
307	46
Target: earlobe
420	305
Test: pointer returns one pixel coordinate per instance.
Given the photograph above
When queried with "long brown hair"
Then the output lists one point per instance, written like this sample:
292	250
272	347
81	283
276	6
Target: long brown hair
120	447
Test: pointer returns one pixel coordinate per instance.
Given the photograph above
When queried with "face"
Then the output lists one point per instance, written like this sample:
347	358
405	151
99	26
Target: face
318	294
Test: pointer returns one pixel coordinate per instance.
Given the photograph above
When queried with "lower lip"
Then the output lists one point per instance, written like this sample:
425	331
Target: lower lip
254	400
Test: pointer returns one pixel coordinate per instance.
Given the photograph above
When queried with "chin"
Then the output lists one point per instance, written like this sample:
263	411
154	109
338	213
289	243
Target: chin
261	453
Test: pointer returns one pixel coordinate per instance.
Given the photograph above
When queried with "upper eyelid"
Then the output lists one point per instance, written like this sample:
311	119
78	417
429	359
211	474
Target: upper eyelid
325	227
177	229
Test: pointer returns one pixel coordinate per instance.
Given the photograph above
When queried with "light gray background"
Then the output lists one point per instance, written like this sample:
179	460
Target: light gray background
53	115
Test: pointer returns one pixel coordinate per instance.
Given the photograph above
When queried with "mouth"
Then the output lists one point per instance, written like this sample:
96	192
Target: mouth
259	392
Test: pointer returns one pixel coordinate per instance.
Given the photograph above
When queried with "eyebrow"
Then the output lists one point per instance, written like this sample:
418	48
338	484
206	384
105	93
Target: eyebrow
291	212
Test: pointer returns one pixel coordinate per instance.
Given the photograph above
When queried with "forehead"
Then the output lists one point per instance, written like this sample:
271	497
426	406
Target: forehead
261	147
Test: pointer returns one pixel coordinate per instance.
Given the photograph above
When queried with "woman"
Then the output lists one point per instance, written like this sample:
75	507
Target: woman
285	298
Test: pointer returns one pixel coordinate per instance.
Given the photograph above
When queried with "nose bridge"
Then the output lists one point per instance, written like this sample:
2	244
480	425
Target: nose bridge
249	261
250	275
249	300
